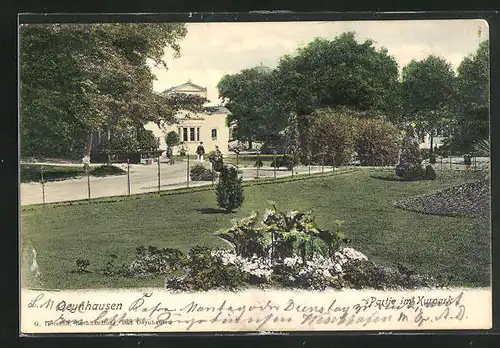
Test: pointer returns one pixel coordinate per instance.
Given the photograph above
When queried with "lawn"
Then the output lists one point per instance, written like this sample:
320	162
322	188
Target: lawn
458	248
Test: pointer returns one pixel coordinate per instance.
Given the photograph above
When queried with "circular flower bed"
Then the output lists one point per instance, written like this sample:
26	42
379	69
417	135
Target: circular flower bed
471	199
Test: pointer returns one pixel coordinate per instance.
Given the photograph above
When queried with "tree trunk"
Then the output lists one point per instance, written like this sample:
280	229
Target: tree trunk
89	143
250	143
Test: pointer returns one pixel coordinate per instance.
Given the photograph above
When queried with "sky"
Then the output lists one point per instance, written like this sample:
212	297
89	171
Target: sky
211	50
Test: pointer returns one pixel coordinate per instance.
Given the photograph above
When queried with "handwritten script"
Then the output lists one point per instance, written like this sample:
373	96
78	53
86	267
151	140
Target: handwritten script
251	311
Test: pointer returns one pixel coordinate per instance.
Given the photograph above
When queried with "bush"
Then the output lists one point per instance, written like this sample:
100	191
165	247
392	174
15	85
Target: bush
430	173
106	170
172	139
32	172
378	143
286	161
229	189
205	271
332	135
153	261
215	157
259	163
200	173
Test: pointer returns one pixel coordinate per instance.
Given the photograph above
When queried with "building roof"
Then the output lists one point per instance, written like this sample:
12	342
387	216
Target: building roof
217	109
185	85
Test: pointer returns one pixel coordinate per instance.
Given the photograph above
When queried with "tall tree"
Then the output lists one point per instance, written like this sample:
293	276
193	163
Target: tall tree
428	88
249	97
337	73
473	84
76	78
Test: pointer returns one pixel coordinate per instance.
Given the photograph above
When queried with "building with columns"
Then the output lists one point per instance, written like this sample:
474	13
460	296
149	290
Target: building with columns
209	126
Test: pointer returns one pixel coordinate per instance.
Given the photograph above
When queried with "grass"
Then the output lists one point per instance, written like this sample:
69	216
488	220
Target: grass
32	172
458	248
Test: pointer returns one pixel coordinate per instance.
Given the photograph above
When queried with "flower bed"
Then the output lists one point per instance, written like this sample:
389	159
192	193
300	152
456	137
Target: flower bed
280	250
471	199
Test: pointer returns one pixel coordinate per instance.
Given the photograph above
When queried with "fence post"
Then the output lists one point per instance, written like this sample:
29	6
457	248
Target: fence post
450	159
322	164
333	161
309	163
275	164
237	159
475	160
158	174
43	185
88	178
128	176
257	162
187	170
293	156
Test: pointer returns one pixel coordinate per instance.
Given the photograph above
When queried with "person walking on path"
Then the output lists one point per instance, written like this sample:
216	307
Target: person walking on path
200	151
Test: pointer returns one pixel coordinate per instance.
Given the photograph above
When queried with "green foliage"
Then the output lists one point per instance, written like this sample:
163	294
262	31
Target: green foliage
33	173
217	160
429	94
342	71
482	148
153	261
378	143
81	265
200	173
248	96
286	161
430	173
229	190
205	271
172	139
473	85
332	133
106	170
76	78
410	161
245	236
282	234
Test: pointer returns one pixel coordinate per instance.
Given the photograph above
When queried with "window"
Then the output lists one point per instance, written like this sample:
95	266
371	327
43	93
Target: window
214	134
185	134
191	134
198	134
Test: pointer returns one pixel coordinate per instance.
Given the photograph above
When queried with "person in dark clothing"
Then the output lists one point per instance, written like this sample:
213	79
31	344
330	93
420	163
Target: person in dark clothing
200	151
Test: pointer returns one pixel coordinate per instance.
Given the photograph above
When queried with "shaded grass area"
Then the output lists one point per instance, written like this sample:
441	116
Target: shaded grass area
33	172
449	247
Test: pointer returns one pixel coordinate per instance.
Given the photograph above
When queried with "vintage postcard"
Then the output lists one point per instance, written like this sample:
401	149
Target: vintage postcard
254	176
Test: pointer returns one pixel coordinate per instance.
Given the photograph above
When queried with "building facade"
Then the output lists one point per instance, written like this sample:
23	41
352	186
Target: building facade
209	126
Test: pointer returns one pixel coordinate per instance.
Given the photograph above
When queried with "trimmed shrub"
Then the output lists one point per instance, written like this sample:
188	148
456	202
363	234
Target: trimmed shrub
378	143
172	139
332	134
410	161
259	163
229	189
430	173
200	173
